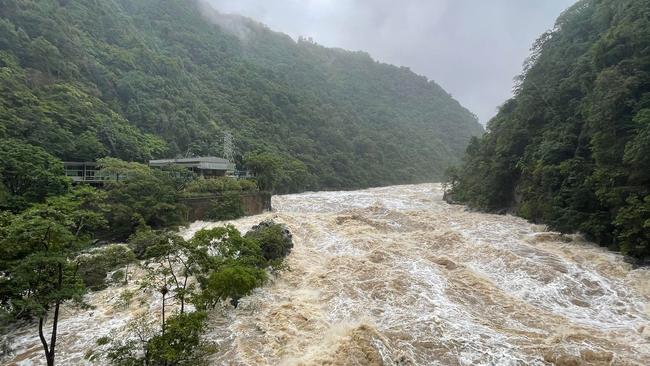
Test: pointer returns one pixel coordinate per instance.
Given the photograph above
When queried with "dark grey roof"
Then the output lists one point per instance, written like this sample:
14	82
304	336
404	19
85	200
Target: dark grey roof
201	159
205	163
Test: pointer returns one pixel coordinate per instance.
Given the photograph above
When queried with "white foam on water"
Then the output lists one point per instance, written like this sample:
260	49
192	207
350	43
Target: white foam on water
394	275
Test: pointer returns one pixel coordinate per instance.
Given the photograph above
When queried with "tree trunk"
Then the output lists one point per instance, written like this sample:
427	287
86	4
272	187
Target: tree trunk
49	351
163	314
48	358
183	304
55	324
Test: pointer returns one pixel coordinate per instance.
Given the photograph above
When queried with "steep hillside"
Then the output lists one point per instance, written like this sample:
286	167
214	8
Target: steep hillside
153	78
572	149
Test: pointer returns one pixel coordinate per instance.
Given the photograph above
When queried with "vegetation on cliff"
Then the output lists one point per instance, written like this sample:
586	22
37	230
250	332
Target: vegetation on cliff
160	78
572	148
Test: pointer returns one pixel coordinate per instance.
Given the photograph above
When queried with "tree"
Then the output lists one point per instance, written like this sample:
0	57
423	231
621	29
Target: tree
172	264
179	345
225	264
95	265
231	282
266	168
571	148
139	196
28	175
181	342
227	206
38	270
274	240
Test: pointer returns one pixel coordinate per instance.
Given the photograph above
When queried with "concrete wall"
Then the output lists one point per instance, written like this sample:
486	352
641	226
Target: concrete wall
254	203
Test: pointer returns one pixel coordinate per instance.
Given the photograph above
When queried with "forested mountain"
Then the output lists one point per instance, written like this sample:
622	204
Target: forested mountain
572	148
137	79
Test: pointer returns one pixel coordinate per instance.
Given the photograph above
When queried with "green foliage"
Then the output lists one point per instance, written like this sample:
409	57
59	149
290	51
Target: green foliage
145	238
181	343
274	240
227	207
218	185
633	225
37	272
228	247
140	196
59	113
171	265
225	265
571	148
86	79
95	265
231	282
39	243
28	174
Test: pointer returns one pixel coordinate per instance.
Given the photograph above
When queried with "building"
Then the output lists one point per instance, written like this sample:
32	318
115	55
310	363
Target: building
83	172
207	167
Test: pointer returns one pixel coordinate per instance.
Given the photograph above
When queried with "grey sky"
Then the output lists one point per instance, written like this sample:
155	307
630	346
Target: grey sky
473	48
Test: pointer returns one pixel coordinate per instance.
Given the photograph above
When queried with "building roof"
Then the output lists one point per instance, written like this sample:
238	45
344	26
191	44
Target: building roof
75	163
204	162
200	159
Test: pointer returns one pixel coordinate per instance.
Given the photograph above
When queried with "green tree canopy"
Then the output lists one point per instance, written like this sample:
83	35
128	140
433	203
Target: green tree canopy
87	79
28	174
571	148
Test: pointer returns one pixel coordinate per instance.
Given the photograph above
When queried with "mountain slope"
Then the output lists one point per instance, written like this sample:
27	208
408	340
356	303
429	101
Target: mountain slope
153	78
572	148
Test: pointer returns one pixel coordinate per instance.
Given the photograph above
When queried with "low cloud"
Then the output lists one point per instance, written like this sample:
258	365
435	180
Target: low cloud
472	48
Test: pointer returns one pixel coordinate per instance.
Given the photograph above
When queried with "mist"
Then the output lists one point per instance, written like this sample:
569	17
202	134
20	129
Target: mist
471	48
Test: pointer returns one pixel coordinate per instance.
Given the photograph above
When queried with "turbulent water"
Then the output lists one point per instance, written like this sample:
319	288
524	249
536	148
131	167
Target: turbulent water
395	276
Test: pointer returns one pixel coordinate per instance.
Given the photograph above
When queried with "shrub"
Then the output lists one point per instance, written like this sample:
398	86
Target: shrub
180	344
218	185
233	281
227	207
146	238
94	266
103	340
275	240
140	196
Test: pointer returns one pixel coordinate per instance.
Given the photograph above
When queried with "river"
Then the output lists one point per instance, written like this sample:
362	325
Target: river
395	276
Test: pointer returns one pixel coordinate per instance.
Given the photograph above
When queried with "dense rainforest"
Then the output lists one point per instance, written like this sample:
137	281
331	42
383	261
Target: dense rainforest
572	148
162	78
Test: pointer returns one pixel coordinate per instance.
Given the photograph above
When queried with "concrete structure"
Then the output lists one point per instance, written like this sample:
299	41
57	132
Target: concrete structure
207	167
253	203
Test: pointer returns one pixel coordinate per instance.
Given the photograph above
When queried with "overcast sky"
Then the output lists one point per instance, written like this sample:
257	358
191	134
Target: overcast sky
472	48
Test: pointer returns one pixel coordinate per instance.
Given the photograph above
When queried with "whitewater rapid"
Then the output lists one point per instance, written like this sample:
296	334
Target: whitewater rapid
395	276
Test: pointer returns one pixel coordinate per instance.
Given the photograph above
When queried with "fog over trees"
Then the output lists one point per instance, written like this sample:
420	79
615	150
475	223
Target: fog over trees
472	48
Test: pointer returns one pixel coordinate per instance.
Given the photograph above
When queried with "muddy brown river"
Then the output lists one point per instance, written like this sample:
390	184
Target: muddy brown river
395	276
